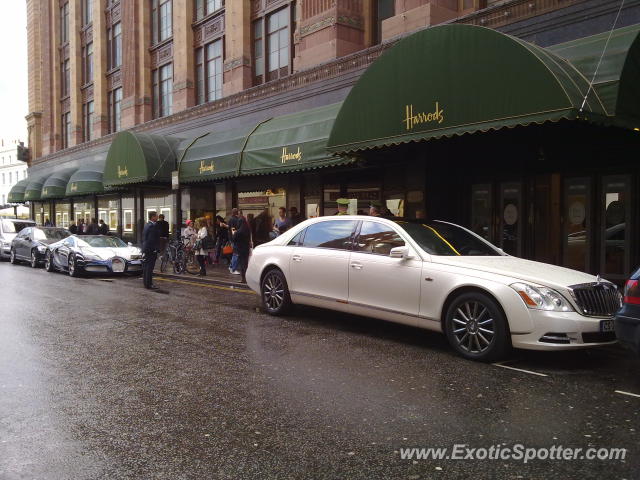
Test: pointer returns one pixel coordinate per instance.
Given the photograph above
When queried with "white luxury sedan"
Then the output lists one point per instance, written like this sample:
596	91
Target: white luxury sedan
434	275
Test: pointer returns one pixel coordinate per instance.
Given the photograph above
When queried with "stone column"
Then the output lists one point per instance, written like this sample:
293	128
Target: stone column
237	67
143	76
75	60
131	21
35	12
183	55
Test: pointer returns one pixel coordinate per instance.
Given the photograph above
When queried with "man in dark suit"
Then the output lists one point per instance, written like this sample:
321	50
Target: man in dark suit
150	245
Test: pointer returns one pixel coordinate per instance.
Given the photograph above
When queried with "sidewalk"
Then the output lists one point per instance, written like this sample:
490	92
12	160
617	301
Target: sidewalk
216	274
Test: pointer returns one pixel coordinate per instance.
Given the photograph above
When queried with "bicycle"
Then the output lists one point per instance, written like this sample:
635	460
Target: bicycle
176	254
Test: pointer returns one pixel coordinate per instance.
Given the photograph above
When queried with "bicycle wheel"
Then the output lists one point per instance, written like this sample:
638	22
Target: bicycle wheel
179	262
192	265
164	261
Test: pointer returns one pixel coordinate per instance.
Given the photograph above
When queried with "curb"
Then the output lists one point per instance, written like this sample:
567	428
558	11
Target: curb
197	279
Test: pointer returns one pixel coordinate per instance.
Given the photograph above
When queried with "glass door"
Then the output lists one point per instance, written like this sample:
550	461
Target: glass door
577	224
511	218
482	210
614	231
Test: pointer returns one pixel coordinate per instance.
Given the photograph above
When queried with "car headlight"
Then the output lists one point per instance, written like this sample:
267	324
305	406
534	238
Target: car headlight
542	298
41	249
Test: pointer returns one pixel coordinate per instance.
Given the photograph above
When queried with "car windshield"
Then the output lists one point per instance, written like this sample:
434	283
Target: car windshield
50	234
439	238
12	226
99	241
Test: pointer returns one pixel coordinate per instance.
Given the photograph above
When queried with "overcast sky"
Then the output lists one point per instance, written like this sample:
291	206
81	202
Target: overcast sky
14	104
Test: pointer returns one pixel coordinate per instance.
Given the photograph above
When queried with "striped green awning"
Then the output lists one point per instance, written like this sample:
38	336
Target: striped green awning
33	190
55	186
140	158
16	194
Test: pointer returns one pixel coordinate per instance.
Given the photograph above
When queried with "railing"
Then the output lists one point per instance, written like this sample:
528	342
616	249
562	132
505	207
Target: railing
513	11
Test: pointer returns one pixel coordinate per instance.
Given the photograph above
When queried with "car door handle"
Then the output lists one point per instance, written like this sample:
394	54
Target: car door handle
357	266
296	258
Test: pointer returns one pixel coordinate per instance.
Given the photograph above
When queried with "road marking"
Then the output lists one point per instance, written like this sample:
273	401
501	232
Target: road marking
217	287
627	393
501	364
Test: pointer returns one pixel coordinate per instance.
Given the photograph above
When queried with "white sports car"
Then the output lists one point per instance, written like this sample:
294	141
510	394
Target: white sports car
438	276
93	254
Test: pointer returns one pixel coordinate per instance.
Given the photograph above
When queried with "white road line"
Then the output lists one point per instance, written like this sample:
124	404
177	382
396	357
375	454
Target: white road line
501	364
627	393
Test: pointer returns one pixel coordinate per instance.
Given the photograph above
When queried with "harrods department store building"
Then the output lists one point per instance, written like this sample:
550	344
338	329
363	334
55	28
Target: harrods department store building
518	119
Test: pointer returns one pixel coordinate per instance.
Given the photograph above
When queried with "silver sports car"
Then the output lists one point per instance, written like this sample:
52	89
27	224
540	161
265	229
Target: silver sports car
94	254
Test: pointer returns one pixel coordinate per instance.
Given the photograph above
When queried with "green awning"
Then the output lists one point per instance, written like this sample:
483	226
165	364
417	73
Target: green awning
213	156
16	194
618	75
33	190
456	79
140	158
55	185
292	143
87	180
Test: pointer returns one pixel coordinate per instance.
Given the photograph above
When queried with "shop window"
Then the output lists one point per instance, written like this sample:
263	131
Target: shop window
614	232
482	210
577	224
511	218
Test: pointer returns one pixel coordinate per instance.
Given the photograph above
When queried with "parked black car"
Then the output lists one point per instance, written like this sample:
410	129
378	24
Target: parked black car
31	243
627	319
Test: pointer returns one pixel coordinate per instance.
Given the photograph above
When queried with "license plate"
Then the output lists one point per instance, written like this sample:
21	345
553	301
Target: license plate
607	326
117	265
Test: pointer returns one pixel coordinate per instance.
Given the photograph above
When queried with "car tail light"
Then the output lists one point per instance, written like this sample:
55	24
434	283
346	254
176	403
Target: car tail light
632	292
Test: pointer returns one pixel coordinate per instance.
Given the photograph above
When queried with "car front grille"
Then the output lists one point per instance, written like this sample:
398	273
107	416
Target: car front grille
600	299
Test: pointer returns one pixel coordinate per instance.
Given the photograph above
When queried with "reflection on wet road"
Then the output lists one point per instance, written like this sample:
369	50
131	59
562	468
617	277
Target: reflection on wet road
107	380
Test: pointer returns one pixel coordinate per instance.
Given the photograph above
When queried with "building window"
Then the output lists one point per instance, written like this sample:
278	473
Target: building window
383	9
161	20
64	23
115	104
87	63
272	42
65	79
87	120
258	52
205	7
10	177
162	91
87	12
66	129
3	179
114	46
209	72
24	174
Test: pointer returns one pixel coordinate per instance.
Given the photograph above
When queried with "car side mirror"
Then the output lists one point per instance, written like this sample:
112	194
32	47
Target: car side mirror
28	239
399	252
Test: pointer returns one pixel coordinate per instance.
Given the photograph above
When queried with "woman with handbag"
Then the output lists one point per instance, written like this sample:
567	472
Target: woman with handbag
203	244
223	245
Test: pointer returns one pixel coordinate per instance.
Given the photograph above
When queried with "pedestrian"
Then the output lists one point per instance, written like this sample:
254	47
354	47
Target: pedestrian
374	209
222	238
282	223
189	234
47	222
202	252
211	230
343	205
103	228
92	229
150	244
163	229
80	226
73	229
233	223
295	216
264	228
242	245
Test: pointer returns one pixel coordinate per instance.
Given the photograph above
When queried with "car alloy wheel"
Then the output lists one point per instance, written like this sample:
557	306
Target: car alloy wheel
275	293
476	327
48	262
73	267
12	257
34	259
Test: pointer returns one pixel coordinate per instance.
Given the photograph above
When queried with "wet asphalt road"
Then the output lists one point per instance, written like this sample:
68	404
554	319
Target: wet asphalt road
102	379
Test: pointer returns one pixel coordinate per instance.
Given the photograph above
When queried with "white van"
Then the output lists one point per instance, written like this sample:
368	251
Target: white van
9	228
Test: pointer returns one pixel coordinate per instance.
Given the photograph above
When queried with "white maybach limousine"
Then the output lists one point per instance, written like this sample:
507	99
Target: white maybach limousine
434	275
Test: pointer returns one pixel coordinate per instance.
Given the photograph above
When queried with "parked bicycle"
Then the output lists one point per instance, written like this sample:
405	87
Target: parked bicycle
180	255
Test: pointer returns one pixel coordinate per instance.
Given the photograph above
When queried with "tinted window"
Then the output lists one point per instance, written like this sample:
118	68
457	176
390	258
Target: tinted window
101	242
377	238
438	238
50	234
9	226
297	240
332	234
